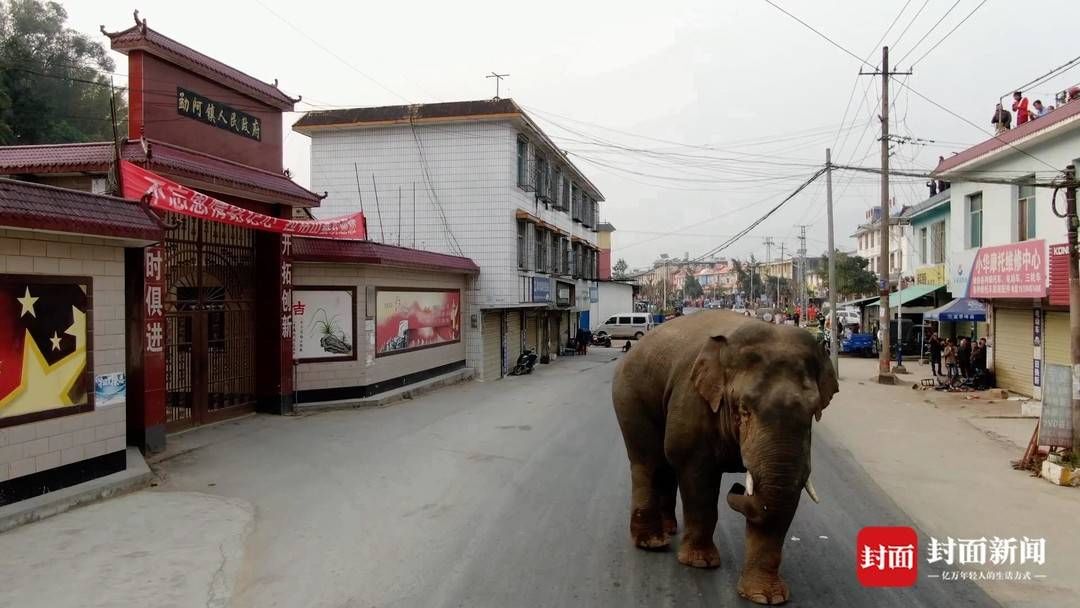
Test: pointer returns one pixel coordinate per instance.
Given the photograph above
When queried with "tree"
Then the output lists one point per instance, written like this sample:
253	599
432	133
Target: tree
619	269
691	288
742	277
54	86
852	276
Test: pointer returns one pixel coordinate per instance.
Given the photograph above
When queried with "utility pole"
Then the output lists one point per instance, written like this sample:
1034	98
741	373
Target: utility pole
768	259
885	375
779	273
802	271
834	351
1074	301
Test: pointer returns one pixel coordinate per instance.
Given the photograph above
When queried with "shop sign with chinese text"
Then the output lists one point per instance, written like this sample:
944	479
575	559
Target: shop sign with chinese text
1059	274
217	114
1015	270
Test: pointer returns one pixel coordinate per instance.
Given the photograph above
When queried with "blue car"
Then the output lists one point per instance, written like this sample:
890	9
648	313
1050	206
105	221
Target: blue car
859	344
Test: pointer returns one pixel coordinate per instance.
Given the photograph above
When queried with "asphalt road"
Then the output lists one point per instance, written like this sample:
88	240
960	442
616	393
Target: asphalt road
513	493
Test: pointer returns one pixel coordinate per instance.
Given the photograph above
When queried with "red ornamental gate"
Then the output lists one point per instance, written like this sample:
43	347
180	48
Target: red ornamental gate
210	322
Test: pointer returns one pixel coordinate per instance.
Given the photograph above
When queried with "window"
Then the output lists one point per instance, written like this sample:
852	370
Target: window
974	220
924	249
541	179
639	320
937	242
541	253
611	321
1025	212
523	245
565	194
522	162
564	252
553	259
556	184
625	320
872	234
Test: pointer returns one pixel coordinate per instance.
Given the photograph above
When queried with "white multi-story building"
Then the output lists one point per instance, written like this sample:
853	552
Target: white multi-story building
868	244
1008	246
478	179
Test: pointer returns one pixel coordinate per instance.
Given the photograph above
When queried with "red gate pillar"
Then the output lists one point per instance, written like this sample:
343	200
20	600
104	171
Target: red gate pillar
273	322
145	270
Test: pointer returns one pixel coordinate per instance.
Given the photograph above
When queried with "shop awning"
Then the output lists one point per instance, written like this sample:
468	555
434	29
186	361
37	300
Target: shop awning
858	302
908	294
960	309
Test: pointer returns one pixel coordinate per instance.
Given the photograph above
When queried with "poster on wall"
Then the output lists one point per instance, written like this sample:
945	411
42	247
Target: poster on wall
324	324
110	389
407	319
44	347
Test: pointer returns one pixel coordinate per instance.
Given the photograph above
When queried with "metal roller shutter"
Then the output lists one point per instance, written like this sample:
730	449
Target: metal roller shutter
1056	339
492	337
1013	349
532	332
513	336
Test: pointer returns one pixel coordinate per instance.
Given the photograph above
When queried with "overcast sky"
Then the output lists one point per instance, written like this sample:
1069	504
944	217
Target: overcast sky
725	106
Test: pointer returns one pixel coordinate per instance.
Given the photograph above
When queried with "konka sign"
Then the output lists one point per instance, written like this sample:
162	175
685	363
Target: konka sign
1016	270
166	195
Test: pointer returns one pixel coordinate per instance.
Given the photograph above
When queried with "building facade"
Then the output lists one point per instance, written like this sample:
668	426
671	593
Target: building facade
868	244
476	179
1006	243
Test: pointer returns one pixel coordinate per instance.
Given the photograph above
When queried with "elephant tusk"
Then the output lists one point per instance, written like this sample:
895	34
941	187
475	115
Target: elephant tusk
809	487
749	484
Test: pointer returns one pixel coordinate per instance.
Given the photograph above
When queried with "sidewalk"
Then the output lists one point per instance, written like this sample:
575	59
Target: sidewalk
945	460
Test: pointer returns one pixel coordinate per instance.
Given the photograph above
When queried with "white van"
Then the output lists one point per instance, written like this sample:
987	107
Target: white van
625	325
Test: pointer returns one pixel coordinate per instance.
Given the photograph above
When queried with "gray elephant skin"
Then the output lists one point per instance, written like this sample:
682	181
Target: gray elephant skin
716	392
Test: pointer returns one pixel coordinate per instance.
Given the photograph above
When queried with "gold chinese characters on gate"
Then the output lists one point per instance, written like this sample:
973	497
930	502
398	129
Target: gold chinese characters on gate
215	113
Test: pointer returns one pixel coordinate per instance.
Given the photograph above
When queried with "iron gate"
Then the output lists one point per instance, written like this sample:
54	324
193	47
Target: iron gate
210	322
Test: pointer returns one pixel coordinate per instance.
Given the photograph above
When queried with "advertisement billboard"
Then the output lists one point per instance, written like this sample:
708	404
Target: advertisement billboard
324	324
411	319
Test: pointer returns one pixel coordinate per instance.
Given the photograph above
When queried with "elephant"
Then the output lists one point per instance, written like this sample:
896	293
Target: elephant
716	392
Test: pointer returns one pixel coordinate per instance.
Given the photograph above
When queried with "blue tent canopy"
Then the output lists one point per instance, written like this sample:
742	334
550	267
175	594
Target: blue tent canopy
960	309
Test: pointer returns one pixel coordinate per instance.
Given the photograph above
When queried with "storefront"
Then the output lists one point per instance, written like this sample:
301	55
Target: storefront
1014	280
65	371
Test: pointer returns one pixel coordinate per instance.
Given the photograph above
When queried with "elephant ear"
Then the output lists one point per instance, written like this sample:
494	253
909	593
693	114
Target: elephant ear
709	374
827	384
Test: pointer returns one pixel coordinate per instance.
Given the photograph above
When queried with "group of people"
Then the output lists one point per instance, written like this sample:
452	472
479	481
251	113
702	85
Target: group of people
1002	119
963	359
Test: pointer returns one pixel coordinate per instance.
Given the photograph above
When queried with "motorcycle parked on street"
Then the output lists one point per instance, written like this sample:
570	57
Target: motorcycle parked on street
526	361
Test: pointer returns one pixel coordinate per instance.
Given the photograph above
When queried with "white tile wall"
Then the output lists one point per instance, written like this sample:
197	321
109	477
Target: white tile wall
465	182
38	446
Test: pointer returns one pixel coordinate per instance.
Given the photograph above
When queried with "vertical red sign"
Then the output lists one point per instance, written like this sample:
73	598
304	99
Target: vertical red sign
286	316
1059	274
153	336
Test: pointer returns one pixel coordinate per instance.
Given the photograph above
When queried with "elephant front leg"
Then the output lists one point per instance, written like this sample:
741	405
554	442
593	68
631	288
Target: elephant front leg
700	490
760	581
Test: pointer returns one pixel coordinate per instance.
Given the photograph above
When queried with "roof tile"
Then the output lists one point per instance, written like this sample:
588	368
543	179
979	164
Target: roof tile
368	252
40	207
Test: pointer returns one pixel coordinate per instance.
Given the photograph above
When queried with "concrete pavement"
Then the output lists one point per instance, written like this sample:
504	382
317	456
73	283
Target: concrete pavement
512	493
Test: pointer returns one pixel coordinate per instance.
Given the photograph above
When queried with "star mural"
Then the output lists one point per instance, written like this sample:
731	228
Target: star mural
43	345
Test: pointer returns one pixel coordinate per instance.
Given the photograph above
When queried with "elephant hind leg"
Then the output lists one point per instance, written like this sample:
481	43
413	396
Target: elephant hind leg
667	488
646	520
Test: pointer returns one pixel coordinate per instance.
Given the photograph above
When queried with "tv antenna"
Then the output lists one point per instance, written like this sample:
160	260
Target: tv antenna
498	79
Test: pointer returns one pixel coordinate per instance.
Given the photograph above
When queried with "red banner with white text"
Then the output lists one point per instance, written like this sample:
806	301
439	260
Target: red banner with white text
166	195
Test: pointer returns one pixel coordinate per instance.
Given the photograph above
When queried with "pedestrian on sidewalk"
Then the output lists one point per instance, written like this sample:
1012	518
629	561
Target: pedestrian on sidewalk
935	354
978	357
950	358
963	357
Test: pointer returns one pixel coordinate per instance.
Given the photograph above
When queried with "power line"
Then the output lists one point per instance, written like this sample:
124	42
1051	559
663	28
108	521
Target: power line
928	32
823	36
910	23
946	36
332	53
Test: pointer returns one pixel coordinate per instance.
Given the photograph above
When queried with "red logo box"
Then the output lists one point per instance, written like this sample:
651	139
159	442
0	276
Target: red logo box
887	556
